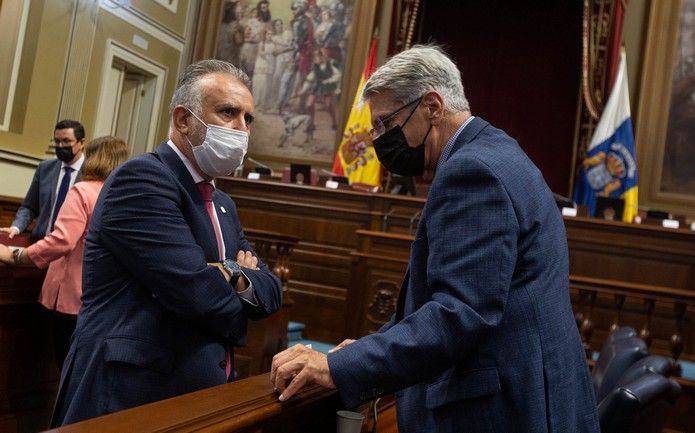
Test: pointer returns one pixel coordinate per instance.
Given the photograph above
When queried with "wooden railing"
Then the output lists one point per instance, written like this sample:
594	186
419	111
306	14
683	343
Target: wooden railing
245	406
662	315
274	249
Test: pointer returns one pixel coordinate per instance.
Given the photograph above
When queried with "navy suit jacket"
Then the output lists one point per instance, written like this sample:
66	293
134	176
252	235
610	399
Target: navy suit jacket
39	199
155	317
483	339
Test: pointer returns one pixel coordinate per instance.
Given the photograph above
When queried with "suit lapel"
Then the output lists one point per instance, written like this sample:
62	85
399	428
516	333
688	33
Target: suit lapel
200	227
53	178
172	160
467	135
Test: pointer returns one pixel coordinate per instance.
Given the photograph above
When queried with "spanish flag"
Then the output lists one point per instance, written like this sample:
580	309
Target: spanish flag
356	158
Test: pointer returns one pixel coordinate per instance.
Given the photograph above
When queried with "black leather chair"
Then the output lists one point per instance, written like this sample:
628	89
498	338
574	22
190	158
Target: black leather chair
620	333
639	406
614	360
652	363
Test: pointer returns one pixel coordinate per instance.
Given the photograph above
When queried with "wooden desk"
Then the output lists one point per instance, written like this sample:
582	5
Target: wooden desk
634	253
28	374
8	209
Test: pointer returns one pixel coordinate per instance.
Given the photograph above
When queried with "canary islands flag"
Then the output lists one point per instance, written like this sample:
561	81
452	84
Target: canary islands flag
610	166
356	158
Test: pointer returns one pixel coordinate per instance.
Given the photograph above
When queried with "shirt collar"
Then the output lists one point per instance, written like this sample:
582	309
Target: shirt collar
450	144
77	165
187	162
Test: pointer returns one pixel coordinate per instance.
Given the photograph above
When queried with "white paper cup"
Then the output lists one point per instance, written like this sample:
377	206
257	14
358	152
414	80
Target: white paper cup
348	422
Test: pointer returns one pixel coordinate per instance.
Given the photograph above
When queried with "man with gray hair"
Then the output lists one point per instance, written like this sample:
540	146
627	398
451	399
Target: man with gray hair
169	279
483	338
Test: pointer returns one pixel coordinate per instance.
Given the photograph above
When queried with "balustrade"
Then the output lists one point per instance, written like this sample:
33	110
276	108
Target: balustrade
660	313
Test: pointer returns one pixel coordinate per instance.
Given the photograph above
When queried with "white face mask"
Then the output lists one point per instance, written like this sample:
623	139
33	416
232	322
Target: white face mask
222	151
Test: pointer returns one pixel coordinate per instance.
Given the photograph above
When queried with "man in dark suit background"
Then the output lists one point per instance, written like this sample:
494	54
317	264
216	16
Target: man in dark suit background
169	280
52	180
483	338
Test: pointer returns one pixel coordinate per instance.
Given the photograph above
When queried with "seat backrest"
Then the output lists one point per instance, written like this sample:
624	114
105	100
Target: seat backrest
613	361
652	363
620	333
640	406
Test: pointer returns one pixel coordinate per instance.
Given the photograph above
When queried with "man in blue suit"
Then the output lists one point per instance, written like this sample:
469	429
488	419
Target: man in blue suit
52	180
483	339
169	280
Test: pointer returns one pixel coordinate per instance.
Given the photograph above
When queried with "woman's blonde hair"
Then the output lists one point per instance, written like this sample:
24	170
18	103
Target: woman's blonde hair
102	156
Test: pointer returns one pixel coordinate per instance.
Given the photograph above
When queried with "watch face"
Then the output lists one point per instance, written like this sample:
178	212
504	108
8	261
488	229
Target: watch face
232	267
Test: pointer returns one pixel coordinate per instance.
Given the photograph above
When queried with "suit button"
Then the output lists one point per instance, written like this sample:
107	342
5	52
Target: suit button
223	364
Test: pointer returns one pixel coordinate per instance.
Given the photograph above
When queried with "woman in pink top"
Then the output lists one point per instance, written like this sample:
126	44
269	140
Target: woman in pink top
63	248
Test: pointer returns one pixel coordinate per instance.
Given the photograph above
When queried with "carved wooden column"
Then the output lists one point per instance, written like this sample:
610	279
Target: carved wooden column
676	341
645	333
618	302
587	298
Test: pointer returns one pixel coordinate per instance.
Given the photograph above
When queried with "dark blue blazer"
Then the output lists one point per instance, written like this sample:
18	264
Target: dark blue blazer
155	318
483	339
39	199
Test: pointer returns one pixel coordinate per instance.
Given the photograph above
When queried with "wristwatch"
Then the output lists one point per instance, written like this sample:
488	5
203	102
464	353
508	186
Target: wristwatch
234	270
17	255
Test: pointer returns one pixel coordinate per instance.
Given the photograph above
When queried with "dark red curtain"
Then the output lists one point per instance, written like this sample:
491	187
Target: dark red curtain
521	66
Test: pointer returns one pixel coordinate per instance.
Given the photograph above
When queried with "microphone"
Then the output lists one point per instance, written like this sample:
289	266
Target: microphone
257	163
328	173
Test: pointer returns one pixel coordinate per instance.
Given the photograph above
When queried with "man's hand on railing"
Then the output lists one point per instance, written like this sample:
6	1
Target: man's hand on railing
298	366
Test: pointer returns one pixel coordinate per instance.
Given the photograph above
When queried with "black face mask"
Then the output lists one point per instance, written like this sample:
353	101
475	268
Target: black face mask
393	151
396	155
64	153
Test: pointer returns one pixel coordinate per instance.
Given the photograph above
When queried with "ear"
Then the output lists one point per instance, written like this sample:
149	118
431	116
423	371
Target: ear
434	103
179	118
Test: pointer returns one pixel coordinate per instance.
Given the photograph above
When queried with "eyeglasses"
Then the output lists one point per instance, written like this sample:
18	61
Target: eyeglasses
62	143
381	123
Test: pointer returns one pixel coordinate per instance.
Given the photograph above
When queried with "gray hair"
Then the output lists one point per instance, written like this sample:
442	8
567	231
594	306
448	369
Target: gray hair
413	72
187	93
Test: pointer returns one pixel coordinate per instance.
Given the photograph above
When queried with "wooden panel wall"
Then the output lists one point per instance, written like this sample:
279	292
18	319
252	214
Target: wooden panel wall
8	208
325	222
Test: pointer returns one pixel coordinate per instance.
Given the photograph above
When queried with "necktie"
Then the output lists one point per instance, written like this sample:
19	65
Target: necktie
62	192
206	190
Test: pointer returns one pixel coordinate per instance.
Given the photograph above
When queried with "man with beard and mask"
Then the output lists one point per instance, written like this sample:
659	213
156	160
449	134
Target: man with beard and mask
170	281
51	182
483	338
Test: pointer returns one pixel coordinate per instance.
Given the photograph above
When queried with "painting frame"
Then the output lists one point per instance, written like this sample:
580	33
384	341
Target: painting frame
357	47
656	88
